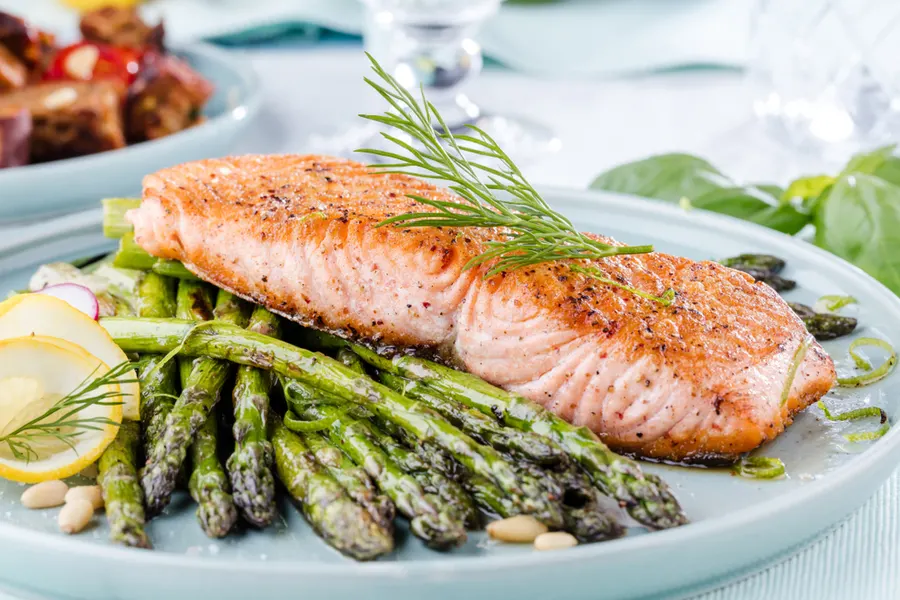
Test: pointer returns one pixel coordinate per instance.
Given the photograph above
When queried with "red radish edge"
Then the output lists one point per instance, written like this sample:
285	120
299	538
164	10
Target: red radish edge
77	295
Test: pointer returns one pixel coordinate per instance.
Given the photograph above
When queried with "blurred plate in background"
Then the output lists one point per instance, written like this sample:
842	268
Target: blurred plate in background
78	183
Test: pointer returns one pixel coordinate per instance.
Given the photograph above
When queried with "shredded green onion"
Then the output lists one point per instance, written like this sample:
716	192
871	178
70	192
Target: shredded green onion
854	415
832	303
759	467
873	375
868	435
799	355
857	414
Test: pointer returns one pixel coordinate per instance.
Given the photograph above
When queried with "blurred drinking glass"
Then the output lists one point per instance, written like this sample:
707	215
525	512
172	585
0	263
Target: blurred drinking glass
429	45
827	74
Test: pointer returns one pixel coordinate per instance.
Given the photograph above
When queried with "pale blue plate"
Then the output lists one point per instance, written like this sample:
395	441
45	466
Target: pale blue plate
78	183
738	524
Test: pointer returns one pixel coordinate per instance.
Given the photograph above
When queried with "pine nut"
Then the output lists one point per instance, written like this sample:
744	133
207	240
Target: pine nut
521	529
75	515
555	540
91	493
46	494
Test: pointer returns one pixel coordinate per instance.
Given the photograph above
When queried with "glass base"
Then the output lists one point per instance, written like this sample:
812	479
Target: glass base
525	141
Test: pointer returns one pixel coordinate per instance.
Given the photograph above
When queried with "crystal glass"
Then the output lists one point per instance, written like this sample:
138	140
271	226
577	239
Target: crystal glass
429	45
825	73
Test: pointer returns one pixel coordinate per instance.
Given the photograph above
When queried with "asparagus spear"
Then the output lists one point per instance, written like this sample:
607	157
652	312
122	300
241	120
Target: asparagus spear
521	444
159	382
355	481
250	465
343	523
199	395
208	483
155	296
439	527
132	256
195	302
585	515
225	341
646	497
121	490
431	480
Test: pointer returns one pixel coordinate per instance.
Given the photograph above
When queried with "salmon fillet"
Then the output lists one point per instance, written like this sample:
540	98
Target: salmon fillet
701	380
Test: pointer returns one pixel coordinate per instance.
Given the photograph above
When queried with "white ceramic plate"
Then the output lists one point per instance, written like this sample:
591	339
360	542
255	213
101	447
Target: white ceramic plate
738	524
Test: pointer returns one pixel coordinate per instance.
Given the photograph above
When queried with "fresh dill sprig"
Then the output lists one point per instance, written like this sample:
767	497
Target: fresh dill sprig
492	191
61	422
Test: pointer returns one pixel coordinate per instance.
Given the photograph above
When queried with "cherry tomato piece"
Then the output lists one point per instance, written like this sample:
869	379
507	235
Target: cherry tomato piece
88	61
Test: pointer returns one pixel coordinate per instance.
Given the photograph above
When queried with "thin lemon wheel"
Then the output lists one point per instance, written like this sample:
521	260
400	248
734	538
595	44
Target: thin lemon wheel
38	314
36	372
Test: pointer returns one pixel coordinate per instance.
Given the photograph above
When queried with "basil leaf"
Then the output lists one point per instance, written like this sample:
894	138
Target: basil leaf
868	163
770	188
859	220
807	189
753	204
669	177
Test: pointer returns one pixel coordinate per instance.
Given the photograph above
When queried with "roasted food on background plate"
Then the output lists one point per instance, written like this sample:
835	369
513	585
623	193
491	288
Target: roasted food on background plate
122	27
166	97
116	86
70	118
15	136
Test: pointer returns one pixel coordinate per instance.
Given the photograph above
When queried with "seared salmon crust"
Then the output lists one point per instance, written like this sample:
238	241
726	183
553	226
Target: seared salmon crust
700	380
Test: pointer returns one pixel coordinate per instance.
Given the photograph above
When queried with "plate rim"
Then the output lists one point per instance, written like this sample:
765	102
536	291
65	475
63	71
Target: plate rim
853	470
245	110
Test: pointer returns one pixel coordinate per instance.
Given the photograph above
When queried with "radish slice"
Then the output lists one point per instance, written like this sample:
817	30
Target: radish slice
77	295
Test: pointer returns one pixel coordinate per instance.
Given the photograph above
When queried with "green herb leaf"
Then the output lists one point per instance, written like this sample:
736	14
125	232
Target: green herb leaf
869	163
668	177
859	220
753	204
674	177
807	189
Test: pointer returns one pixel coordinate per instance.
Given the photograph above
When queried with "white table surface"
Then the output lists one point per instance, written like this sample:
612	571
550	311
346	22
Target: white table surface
601	123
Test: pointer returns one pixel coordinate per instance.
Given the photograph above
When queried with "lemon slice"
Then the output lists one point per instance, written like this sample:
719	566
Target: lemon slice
37	373
38	314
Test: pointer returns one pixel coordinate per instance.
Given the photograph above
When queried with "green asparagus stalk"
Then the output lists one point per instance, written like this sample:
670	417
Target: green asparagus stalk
432	481
209	484
342	523
159	382
120	488
355	481
585	515
646	497
250	465
195	302
521	444
132	256
115	225
224	341
156	296
438	526
199	395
